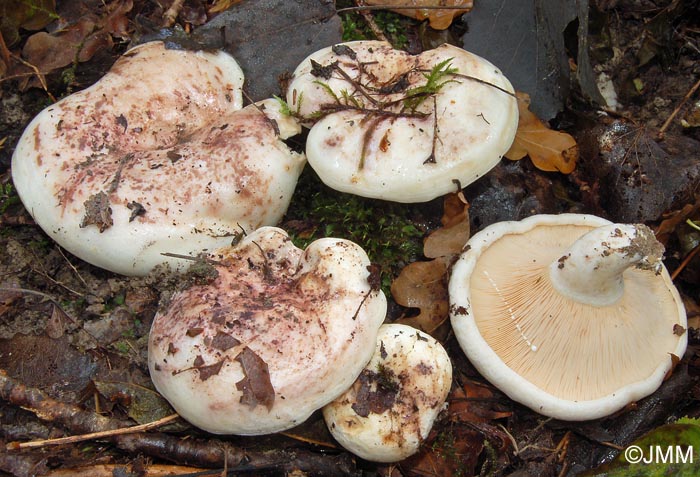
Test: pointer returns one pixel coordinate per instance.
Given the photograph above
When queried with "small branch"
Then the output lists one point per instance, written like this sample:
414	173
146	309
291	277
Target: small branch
685	262
38	74
171	13
667	123
92	435
466	6
369	19
192	450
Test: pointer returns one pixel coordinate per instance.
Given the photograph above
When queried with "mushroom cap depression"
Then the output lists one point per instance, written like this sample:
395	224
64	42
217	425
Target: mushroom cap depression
572	355
157	156
383	129
278	333
388	412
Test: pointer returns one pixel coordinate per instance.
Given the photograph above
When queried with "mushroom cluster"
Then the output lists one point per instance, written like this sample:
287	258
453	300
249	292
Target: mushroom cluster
390	125
275	335
146	161
571	315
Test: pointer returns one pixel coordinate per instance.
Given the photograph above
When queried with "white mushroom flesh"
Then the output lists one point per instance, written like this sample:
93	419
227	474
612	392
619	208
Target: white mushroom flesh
308	318
156	157
388	412
372	141
549	351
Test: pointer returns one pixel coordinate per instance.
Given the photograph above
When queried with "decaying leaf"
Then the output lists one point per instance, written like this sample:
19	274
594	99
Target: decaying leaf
29	15
454	233
78	41
452	452
143	405
439	19
221	5
377	393
423	285
549	150
671	449
256	385
98	212
473	402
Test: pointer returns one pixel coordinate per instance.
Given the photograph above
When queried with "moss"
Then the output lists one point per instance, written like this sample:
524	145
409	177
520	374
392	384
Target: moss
392	24
389	232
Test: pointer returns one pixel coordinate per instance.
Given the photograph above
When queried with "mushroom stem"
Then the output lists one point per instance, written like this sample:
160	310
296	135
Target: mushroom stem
591	270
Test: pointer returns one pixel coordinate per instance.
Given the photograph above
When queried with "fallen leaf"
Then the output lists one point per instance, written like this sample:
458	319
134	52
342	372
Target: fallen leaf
678	444
143	405
29	15
452	452
423	285
439	19
256	385
454	233
549	150
220	5
473	402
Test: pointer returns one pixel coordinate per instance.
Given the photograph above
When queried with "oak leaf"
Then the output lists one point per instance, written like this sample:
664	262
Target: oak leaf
423	285
439	19
549	150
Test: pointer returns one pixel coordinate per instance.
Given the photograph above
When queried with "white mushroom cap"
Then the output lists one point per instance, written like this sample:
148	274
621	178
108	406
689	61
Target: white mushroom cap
570	315
156	157
368	142
388	412
279	333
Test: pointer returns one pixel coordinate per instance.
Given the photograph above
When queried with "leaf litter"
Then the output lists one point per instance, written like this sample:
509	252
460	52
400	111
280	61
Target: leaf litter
97	323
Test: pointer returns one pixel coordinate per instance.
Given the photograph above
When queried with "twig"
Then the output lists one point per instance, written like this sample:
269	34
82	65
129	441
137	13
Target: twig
38	74
153	470
675	112
200	452
685	262
369	19
171	13
75	270
467	5
92	435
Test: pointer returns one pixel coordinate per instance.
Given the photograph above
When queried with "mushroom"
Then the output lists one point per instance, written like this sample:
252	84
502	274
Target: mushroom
390	125
155	157
276	333
388	412
570	314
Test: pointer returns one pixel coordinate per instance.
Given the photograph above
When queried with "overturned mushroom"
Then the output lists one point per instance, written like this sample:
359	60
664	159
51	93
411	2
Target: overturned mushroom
157	156
278	333
402	127
571	315
389	411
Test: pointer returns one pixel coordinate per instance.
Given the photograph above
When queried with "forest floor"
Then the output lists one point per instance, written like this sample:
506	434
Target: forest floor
73	337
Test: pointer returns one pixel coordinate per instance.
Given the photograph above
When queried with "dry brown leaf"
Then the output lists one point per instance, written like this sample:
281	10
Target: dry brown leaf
549	150
220	5
440	19
256	385
455	451
473	402
454	233
423	285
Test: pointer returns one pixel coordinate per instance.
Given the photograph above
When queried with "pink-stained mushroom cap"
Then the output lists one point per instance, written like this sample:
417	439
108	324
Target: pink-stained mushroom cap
278	333
382	128
155	157
388	412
